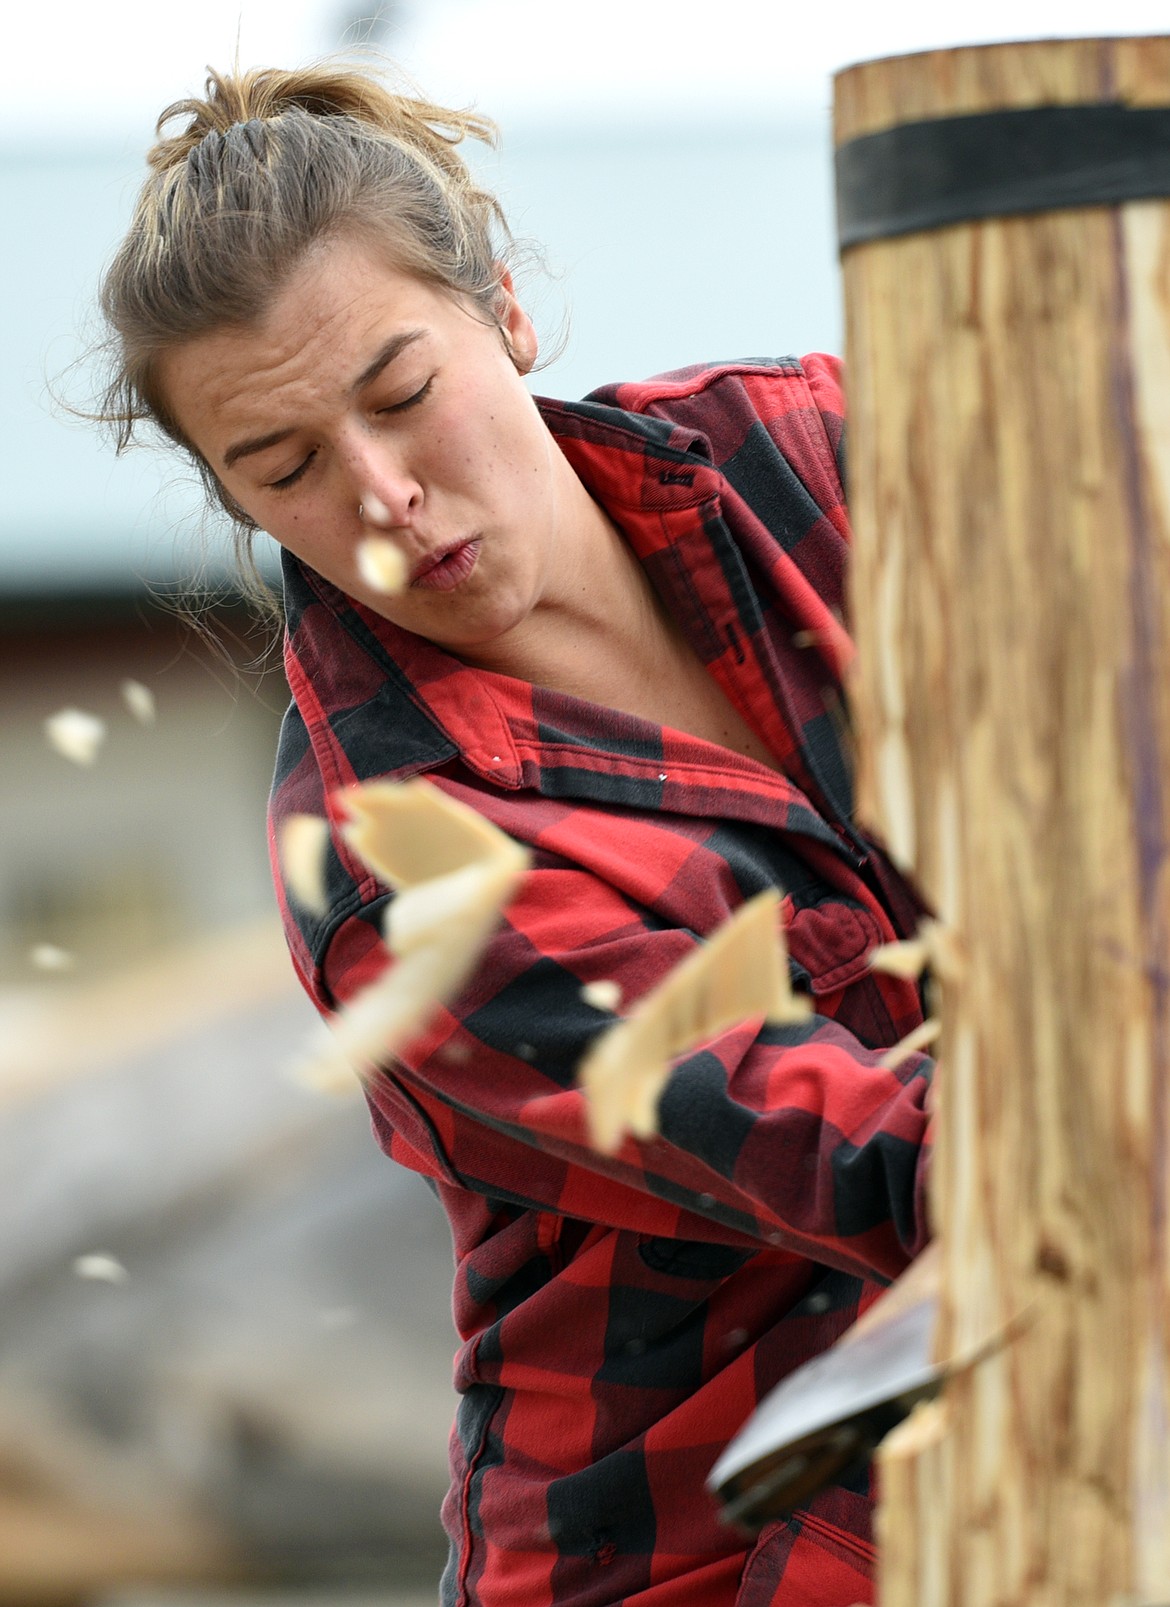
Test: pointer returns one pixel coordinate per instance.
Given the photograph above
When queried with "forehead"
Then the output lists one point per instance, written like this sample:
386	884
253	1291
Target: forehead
314	339
341	282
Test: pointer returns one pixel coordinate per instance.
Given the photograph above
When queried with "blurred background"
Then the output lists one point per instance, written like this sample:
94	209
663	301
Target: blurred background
225	1340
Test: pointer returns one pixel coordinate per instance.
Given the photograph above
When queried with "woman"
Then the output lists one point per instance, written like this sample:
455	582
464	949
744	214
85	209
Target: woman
621	643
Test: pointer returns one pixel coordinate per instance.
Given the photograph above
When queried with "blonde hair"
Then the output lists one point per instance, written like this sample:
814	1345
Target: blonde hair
269	164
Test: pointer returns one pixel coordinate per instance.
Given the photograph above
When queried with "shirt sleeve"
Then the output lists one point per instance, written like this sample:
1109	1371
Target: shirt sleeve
794	1136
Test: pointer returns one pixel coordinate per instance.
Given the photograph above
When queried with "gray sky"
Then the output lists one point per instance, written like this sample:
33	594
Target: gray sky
80	67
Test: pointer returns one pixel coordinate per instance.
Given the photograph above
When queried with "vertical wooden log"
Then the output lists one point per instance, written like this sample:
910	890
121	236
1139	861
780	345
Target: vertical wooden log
1009	386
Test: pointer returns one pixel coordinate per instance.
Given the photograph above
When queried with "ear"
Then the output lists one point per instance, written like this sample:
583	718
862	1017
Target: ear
516	327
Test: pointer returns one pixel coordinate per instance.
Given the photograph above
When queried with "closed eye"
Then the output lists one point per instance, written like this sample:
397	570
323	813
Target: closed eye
411	401
397	407
291	479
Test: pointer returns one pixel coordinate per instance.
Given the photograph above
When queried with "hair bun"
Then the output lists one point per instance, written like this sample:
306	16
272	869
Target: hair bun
324	90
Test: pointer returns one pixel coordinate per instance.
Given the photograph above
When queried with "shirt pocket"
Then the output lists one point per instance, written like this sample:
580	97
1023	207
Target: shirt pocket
805	1561
829	945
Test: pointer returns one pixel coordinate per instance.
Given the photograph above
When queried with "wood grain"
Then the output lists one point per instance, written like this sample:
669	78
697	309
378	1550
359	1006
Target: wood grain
1009	390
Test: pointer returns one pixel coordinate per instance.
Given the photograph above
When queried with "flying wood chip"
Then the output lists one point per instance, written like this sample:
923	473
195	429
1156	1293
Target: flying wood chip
302	843
453	873
921	1038
936	945
603	995
75	734
907	959
382	565
139	700
48	957
741	971
409	832
945	951
98	1267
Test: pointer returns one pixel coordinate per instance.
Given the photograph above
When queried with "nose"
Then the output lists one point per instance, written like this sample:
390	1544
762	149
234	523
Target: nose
388	500
375	511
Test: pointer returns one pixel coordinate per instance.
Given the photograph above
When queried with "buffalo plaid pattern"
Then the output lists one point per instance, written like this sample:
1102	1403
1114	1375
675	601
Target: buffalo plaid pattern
621	1316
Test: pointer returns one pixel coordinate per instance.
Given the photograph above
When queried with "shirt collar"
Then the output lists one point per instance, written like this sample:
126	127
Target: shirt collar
658	479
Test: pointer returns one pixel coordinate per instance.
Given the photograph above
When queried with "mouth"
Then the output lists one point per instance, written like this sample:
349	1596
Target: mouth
443	571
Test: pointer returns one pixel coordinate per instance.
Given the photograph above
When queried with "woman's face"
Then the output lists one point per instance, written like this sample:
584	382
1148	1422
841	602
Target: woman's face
364	385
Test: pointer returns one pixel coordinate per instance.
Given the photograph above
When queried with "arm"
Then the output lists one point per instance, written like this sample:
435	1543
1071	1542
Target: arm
790	1136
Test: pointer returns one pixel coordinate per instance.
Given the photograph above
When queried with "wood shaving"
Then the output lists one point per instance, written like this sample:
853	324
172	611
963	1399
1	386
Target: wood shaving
945	950
453	872
139	700
100	1268
907	959
75	734
48	957
319	1070
935	946
920	1038
421	915
603	995
739	972
388	1012
409	831
302	843
790	1010
382	565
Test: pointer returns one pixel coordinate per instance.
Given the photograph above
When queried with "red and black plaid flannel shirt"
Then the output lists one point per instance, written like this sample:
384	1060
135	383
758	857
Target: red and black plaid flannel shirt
621	1316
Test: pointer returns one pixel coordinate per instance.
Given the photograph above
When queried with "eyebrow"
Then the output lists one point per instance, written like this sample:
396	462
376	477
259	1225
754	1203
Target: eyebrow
396	344
382	360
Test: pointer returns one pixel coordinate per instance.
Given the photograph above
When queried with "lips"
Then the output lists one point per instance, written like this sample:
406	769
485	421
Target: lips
444	570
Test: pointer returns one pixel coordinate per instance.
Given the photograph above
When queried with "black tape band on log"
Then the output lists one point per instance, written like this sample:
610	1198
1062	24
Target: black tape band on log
993	164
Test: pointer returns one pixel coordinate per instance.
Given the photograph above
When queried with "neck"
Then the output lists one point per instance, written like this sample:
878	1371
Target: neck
597	610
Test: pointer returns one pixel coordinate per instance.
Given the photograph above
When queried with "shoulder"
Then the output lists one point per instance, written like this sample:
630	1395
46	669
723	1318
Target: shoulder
798	400
817	373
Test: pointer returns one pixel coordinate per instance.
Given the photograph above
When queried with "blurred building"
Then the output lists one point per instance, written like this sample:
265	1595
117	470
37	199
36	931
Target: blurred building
163	835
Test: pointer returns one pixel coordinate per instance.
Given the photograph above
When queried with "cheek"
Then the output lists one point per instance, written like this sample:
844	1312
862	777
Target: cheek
311	539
